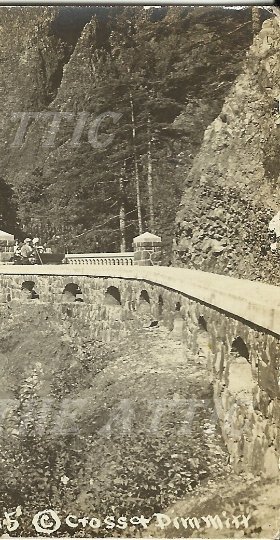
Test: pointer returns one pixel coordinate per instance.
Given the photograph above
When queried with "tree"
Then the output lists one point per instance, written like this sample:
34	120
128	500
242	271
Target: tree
256	20
8	208
140	66
150	178
122	213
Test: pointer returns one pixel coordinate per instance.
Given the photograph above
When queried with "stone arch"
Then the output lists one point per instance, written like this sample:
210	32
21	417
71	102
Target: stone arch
144	306
239	347
178	306
72	293
28	291
202	335
202	323
178	322
112	296
144	296
28	285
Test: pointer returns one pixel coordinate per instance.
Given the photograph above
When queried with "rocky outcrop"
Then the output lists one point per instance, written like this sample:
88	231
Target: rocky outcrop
34	48
232	190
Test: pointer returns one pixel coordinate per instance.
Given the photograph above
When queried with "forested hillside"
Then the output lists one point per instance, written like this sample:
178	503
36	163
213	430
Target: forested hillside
151	81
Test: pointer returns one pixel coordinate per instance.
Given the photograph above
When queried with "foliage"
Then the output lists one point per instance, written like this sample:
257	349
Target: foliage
8	208
171	69
65	443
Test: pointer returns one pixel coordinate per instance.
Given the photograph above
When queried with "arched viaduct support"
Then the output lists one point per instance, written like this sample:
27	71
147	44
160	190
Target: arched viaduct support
234	322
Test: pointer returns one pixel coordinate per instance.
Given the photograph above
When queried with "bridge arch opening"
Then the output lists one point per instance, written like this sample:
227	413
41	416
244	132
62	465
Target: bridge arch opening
178	306
239	348
202	336
144	296
202	323
28	290
112	296
240	376
72	293
178	321
144	306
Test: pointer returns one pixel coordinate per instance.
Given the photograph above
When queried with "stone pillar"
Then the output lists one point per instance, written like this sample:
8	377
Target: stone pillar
6	250
147	250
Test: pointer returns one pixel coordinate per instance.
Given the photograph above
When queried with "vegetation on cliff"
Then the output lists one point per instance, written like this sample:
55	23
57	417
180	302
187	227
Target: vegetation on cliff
79	440
165	72
232	190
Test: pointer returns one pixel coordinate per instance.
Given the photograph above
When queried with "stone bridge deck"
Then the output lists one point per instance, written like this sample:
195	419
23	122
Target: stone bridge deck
258	303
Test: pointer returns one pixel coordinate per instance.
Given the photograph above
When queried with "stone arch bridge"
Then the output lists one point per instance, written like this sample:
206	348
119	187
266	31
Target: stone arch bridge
235	322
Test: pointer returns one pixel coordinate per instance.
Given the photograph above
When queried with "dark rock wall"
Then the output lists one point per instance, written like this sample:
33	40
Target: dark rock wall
232	189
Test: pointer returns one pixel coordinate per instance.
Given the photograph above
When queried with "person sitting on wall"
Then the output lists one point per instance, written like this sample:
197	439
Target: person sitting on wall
26	250
36	245
17	248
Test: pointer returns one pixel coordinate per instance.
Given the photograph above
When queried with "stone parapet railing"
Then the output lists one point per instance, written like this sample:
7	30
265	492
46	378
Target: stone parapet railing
100	259
256	302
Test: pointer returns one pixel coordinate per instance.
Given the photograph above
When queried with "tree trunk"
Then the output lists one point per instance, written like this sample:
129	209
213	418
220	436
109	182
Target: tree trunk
122	215
137	181
256	20
150	179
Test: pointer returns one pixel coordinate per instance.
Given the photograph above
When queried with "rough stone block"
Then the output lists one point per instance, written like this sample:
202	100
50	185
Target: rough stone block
271	463
268	380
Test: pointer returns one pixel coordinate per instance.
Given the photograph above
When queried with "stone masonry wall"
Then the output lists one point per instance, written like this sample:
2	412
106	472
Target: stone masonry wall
243	360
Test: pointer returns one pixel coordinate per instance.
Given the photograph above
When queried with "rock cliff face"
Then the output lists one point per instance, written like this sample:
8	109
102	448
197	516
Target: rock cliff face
35	44
53	67
232	190
31	58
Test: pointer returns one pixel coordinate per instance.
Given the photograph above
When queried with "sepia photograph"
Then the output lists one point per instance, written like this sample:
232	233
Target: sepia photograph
139	270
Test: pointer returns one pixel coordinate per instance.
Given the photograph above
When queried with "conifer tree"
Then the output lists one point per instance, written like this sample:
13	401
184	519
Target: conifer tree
8	210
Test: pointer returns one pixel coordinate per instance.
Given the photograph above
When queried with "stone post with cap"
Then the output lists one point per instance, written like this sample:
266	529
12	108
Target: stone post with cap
147	250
